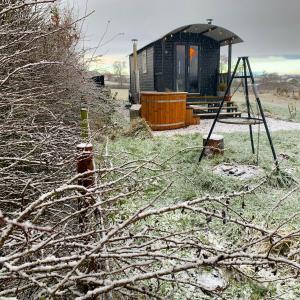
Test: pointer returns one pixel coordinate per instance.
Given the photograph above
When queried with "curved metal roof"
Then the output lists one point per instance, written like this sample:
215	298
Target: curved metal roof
217	33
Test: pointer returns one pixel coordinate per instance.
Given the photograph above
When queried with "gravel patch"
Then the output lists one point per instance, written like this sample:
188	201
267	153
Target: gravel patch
238	171
205	125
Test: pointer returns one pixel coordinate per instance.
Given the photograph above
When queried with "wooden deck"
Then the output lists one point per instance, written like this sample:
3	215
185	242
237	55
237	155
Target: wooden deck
206	107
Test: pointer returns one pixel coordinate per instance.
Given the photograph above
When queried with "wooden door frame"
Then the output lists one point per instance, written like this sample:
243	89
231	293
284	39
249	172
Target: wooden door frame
187	63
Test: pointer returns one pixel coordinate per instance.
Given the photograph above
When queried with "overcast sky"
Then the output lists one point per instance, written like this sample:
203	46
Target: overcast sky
270	28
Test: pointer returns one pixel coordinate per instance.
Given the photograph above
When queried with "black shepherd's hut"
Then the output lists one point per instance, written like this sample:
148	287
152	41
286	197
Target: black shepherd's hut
186	59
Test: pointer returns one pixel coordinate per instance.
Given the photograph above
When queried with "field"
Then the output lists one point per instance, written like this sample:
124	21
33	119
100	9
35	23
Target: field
121	94
274	106
191	180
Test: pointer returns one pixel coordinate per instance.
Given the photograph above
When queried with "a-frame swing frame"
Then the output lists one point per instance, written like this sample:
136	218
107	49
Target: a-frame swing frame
262	119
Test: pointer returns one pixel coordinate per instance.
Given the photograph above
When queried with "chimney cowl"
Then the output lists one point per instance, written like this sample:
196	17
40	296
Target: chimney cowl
209	21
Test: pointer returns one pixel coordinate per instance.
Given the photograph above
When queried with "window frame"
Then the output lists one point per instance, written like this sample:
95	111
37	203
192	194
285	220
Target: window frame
144	62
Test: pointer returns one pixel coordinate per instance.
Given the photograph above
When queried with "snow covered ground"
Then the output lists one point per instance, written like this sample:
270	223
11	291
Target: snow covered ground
205	125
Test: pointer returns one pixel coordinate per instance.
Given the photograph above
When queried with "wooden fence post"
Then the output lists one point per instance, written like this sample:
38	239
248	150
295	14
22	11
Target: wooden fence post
85	163
84	123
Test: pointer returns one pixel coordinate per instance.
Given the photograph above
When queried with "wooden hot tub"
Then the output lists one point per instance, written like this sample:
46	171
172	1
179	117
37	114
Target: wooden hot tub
164	110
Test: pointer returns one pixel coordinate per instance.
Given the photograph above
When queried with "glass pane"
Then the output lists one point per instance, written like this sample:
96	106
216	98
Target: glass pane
180	68
193	70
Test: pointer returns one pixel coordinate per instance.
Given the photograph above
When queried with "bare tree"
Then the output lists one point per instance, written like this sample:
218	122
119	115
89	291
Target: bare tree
118	68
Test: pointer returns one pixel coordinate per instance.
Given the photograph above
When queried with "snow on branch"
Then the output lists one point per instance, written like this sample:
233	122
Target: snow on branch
12	7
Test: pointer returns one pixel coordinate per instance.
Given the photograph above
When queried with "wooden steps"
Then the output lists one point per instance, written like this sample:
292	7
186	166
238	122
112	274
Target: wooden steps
207	106
191	118
202	97
222	114
198	107
202	102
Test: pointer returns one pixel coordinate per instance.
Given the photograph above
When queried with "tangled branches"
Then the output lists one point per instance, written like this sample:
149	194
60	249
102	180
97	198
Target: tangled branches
126	244
40	91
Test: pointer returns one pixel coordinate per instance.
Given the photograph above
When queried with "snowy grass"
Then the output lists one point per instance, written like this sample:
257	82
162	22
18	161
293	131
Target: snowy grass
179	155
191	179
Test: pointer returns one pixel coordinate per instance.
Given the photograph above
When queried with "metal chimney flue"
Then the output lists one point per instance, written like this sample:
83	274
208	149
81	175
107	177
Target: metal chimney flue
136	96
209	21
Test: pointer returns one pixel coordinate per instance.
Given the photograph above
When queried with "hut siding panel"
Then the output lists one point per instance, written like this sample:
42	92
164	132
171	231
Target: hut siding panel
147	79
158	67
164	66
160	74
209	66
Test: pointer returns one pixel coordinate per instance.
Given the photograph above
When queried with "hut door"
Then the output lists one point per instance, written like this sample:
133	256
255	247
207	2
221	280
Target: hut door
180	68
193	79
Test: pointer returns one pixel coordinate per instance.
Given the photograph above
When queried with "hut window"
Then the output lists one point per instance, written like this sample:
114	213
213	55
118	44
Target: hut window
144	61
180	68
193	69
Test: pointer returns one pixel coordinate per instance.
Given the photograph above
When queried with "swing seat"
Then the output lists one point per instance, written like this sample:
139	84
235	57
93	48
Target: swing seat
241	121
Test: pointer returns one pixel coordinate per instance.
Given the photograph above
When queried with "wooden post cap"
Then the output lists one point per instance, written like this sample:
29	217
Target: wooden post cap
84	147
214	137
214	146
